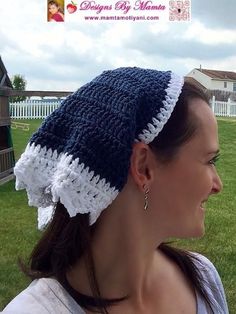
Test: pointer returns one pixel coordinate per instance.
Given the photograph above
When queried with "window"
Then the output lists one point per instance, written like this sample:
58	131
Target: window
234	87
225	84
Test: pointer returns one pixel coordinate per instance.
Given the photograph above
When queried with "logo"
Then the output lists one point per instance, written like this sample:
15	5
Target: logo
71	7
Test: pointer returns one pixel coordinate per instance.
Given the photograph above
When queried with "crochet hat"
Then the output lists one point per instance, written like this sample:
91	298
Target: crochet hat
80	155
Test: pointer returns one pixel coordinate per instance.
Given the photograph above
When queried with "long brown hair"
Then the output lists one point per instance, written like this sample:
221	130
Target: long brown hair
67	239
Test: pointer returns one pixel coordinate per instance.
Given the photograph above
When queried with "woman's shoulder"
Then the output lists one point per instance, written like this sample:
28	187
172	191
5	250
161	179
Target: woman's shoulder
58	17
42	296
212	282
203	262
206	267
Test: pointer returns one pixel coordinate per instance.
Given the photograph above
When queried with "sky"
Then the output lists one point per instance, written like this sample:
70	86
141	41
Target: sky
64	56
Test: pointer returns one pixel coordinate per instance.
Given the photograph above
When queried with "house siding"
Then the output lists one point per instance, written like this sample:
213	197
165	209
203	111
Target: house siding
219	84
201	78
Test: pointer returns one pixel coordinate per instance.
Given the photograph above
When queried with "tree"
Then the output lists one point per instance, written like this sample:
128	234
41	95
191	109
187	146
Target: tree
19	83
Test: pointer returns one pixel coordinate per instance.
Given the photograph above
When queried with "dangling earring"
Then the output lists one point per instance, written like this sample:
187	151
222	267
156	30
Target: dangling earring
146	198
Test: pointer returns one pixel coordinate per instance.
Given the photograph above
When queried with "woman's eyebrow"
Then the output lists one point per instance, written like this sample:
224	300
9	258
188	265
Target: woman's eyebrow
214	152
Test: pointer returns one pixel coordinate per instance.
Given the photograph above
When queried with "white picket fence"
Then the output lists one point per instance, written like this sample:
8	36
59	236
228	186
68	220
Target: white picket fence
33	109
223	108
38	109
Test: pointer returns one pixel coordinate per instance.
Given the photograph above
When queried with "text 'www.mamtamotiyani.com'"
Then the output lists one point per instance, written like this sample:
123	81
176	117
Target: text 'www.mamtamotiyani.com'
121	18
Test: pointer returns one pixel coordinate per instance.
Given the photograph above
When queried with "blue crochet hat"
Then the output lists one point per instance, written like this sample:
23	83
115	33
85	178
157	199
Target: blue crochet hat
80	155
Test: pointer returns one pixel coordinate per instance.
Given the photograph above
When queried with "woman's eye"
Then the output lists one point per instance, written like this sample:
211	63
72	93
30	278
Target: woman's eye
214	160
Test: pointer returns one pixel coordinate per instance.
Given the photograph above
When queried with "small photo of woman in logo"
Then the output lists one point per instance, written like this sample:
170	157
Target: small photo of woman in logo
56	11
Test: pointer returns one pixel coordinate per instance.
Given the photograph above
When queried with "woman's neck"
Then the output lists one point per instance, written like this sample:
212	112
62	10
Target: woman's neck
125	259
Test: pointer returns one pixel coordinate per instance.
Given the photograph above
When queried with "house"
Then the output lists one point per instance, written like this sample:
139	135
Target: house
6	149
215	80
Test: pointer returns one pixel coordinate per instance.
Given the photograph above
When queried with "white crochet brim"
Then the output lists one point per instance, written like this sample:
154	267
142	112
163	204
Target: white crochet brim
44	216
49	177
172	94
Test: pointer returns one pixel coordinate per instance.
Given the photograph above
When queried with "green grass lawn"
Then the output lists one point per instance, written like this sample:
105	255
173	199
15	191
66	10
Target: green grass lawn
17	225
18	222
219	242
20	137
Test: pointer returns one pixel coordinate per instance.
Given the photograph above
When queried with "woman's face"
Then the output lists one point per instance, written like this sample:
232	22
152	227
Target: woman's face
182	186
53	9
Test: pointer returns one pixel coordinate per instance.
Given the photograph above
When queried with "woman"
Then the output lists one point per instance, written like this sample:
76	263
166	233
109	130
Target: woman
55	12
129	161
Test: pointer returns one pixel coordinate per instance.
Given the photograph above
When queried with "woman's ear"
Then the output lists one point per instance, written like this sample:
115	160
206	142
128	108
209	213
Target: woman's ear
142	165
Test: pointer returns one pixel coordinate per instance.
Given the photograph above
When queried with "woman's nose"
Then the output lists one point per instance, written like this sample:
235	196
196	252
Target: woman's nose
217	184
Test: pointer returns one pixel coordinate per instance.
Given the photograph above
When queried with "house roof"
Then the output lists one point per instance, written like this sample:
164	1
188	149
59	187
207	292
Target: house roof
220	75
4	78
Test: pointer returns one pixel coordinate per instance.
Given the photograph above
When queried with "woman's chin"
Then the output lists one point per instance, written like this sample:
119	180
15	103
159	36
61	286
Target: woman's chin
197	233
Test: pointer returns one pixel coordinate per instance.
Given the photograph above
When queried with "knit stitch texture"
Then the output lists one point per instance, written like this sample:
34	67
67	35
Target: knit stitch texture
81	153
